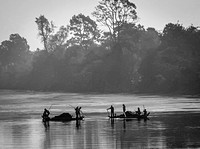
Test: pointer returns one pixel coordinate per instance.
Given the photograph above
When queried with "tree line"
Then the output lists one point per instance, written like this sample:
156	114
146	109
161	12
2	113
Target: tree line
121	57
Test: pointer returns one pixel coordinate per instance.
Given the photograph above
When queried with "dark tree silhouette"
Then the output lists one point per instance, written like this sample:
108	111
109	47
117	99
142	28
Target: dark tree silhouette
84	31
45	28
15	61
59	39
114	14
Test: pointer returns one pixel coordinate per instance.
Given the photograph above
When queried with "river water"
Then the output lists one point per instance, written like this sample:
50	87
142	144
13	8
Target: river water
174	121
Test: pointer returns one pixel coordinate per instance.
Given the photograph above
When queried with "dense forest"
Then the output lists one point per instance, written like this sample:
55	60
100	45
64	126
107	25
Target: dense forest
113	53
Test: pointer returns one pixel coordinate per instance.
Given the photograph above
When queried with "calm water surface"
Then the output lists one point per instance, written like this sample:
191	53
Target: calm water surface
174	122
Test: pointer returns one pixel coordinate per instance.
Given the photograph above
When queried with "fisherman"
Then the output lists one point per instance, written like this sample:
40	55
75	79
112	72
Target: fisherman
80	113
124	110
45	114
111	111
145	112
138	111
77	112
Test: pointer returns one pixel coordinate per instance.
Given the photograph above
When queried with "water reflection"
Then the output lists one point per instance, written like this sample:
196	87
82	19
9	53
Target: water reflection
19	134
99	134
78	124
46	124
136	134
21	126
175	130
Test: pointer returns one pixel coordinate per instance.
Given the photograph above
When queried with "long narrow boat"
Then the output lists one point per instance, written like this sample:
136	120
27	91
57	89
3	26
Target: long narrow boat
64	117
132	115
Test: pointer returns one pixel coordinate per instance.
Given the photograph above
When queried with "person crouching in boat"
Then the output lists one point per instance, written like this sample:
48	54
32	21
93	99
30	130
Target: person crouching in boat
111	111
45	114
124	110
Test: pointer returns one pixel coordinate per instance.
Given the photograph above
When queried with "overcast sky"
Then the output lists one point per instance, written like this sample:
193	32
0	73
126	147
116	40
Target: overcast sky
18	16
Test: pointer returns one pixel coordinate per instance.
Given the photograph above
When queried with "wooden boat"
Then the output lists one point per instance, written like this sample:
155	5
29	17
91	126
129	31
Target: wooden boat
132	115
64	117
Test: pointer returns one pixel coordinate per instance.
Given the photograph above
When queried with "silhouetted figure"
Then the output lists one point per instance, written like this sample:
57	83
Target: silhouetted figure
138	111
145	112
78	112
111	111
124	110
45	114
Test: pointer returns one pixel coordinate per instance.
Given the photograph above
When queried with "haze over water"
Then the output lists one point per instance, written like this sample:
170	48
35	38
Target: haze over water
174	121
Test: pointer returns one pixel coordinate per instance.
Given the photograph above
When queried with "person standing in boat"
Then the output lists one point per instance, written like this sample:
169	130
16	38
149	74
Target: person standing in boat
145	112
138	111
77	112
80	113
111	111
124	110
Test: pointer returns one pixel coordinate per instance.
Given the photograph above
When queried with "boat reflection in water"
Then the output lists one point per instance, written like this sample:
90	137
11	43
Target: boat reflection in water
174	124
163	130
105	134
166	132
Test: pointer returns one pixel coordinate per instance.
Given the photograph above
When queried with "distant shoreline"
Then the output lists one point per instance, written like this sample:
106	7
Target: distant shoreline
130	93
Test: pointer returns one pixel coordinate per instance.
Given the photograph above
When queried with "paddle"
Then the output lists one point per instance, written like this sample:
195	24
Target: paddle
50	107
72	106
81	112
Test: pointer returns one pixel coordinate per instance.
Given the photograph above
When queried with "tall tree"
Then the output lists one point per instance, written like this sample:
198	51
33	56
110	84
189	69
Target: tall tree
114	14
15	61
59	39
84	31
13	50
45	28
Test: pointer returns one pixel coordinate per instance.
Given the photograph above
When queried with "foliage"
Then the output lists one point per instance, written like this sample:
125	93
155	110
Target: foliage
59	39
128	58
84	31
114	14
45	28
175	64
15	60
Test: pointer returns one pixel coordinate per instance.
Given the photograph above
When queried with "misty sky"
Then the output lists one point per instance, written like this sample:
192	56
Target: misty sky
18	16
